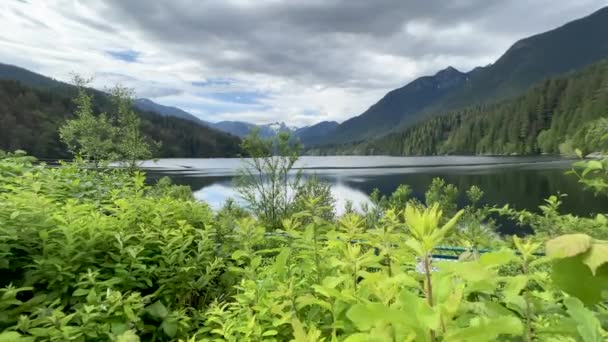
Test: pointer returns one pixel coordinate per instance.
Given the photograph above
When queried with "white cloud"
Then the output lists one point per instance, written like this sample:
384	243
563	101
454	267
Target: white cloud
311	61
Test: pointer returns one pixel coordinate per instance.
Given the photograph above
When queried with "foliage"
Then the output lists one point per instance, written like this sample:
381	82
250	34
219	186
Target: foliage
98	255
30	120
104	138
88	135
265	182
131	144
313	188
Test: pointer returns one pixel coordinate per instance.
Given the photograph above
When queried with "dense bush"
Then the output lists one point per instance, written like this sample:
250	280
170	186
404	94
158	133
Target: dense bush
95	255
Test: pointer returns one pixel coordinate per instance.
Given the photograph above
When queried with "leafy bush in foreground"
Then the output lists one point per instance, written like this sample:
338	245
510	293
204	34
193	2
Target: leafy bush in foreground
90	255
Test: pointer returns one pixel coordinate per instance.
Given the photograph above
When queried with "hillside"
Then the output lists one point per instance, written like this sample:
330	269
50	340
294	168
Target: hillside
312	135
30	118
398	106
151	106
567	48
552	117
33	106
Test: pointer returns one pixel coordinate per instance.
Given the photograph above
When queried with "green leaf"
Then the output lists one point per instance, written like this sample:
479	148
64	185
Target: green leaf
588	326
13	336
128	336
568	245
271	332
498	258
594	165
80	292
483	329
367	316
169	327
514	286
597	256
157	310
280	263
299	334
574	277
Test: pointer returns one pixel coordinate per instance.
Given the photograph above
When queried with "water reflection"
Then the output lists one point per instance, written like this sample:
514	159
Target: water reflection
216	195
522	182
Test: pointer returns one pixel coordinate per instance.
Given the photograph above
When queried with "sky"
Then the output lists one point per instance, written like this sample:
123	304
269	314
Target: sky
296	61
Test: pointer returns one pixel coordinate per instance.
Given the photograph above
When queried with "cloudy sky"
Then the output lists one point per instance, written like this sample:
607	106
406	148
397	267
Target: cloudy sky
298	61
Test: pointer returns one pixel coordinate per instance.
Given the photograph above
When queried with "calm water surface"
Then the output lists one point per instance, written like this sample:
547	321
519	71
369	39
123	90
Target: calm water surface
522	182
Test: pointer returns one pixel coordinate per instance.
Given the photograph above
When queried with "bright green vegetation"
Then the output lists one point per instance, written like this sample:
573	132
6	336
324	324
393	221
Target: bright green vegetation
106	137
94	255
33	109
552	117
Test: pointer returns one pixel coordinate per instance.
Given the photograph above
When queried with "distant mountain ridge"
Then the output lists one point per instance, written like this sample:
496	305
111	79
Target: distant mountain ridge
312	135
398	105
567	48
34	106
151	106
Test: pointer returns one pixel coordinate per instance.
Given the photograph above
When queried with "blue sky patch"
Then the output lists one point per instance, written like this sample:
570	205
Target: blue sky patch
213	82
129	56
240	97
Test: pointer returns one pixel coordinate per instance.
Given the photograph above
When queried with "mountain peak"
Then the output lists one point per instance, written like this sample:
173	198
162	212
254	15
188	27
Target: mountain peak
450	71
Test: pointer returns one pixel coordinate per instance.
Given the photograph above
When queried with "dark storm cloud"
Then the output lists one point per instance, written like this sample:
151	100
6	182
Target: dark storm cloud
339	42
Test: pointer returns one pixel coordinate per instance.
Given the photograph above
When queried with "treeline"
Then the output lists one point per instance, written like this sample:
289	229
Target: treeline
552	117
30	119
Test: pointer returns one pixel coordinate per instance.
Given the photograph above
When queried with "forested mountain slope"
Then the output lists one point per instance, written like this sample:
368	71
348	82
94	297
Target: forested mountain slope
396	106
570	47
551	117
30	118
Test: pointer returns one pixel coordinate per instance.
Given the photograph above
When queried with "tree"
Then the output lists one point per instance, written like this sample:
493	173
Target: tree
266	182
89	136
131	145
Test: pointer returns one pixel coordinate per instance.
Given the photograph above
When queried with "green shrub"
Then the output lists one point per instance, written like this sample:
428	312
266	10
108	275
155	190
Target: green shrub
94	255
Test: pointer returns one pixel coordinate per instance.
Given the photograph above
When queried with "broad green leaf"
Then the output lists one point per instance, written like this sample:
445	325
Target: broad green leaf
128	336
594	165
597	255
13	336
157	310
299	334
486	329
80	292
169	327
498	258
367	316
588	326
568	245
280	263
514	285
573	276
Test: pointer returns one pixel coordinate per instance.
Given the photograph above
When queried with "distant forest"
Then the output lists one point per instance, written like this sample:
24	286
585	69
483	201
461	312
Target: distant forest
552	117
30	118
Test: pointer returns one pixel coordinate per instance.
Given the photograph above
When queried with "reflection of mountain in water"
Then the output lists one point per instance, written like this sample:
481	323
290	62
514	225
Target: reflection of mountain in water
522	182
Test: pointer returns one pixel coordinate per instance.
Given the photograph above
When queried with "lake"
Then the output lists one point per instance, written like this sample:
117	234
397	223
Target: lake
522	182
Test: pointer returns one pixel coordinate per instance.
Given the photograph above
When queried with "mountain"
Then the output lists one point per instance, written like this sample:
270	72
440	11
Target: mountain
29	78
398	105
151	106
33	107
242	129
554	116
312	135
567	48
